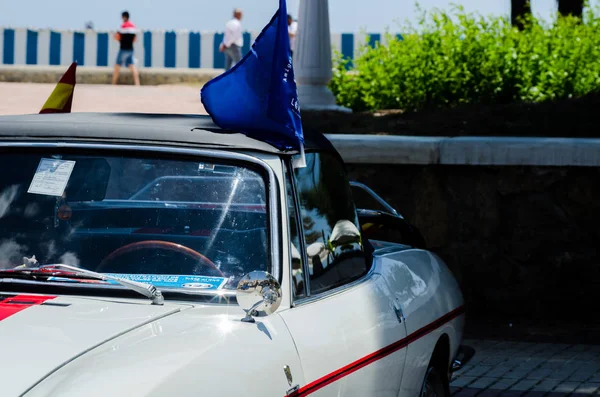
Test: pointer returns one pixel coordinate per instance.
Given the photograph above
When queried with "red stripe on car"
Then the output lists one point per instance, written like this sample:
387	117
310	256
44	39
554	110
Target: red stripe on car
12	304
378	355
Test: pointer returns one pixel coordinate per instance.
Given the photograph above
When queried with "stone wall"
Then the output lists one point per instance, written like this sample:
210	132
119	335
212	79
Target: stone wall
522	241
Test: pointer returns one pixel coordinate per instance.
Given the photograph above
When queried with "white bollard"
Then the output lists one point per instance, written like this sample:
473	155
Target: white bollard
312	59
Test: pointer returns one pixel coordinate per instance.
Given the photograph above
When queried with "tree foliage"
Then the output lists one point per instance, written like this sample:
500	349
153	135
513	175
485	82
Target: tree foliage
454	58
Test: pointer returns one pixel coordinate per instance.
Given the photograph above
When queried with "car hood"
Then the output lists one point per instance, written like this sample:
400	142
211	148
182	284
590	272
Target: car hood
205	350
39	334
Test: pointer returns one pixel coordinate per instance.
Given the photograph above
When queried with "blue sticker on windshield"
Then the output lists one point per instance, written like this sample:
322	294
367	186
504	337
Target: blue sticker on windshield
174	281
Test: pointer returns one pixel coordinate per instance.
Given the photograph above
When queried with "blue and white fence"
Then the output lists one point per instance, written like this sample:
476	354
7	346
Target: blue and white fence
170	49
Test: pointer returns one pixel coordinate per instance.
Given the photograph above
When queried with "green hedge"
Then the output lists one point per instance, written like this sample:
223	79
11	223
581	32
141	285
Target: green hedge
459	58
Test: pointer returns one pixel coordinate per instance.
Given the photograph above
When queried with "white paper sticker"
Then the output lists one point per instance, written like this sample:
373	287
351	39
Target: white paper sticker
51	177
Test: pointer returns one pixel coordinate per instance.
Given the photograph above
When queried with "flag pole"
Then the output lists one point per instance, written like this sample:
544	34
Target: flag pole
300	162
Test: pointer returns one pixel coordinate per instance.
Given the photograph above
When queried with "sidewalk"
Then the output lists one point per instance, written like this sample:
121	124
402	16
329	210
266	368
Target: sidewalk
22	98
501	368
103	75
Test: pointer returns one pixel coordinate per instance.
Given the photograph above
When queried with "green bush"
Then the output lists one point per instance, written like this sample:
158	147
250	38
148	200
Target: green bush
458	58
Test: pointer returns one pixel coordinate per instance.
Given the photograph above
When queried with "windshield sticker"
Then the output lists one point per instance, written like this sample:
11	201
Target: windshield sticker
51	177
175	281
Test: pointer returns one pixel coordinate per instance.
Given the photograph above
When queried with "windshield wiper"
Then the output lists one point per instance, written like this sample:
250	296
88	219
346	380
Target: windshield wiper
148	290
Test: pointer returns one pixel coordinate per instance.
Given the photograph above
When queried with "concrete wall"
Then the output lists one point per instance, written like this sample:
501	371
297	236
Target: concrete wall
522	241
163	49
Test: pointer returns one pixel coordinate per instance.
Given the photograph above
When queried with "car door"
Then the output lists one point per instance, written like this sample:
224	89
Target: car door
343	321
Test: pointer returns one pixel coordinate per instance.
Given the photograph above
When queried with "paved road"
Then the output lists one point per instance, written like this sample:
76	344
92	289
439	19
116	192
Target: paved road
529	369
22	98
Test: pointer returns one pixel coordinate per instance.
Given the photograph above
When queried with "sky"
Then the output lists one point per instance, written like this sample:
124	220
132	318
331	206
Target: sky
345	15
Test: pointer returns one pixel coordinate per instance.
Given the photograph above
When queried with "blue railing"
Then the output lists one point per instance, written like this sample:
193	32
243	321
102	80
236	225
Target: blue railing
164	49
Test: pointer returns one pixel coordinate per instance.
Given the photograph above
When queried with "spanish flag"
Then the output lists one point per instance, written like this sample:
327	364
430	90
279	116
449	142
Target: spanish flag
62	97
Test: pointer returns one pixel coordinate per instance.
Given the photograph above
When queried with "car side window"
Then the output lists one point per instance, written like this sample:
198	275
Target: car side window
331	230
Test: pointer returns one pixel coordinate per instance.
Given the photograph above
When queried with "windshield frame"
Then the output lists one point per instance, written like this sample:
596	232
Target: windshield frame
163	151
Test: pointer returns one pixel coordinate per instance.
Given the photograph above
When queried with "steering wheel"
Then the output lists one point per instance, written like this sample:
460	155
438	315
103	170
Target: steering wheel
154	244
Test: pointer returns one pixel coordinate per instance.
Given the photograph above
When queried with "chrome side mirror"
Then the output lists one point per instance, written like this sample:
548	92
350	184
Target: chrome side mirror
258	293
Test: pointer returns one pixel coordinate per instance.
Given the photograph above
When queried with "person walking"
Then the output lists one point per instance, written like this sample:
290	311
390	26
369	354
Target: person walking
126	37
233	40
292	31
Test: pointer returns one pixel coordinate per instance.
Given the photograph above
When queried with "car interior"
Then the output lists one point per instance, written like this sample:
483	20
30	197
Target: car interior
170	225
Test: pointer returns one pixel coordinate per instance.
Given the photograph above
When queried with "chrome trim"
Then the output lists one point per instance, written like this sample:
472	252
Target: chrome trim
463	356
376	197
338	290
288	374
301	238
286	175
222	154
258	293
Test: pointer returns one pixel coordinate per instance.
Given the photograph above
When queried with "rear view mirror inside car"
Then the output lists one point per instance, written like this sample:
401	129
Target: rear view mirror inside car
89	180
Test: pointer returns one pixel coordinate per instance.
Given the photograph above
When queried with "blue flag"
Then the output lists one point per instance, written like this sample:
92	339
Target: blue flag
258	96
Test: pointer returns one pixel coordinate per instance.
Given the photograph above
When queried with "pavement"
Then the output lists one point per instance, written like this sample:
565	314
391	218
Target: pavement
506	368
26	98
103	75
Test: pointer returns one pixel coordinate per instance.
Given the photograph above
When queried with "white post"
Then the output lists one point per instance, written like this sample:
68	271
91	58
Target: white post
312	58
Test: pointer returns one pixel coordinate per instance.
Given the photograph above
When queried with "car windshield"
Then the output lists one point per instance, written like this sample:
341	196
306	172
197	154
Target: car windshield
178	224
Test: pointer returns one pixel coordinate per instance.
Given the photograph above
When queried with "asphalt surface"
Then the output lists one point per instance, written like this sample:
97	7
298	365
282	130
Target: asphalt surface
27	98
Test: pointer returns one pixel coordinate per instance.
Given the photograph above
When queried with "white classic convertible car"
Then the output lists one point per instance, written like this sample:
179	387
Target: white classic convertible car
158	255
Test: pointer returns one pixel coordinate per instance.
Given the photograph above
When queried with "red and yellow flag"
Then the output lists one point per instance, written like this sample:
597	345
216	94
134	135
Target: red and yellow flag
62	97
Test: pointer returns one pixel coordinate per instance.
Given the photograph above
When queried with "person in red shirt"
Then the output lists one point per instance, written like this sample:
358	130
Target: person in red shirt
126	37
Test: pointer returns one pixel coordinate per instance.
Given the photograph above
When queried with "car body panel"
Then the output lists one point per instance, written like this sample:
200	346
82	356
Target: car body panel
338	330
41	338
395	355
425	290
206	350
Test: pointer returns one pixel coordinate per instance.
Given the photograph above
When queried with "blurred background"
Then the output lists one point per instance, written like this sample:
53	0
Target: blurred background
345	15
